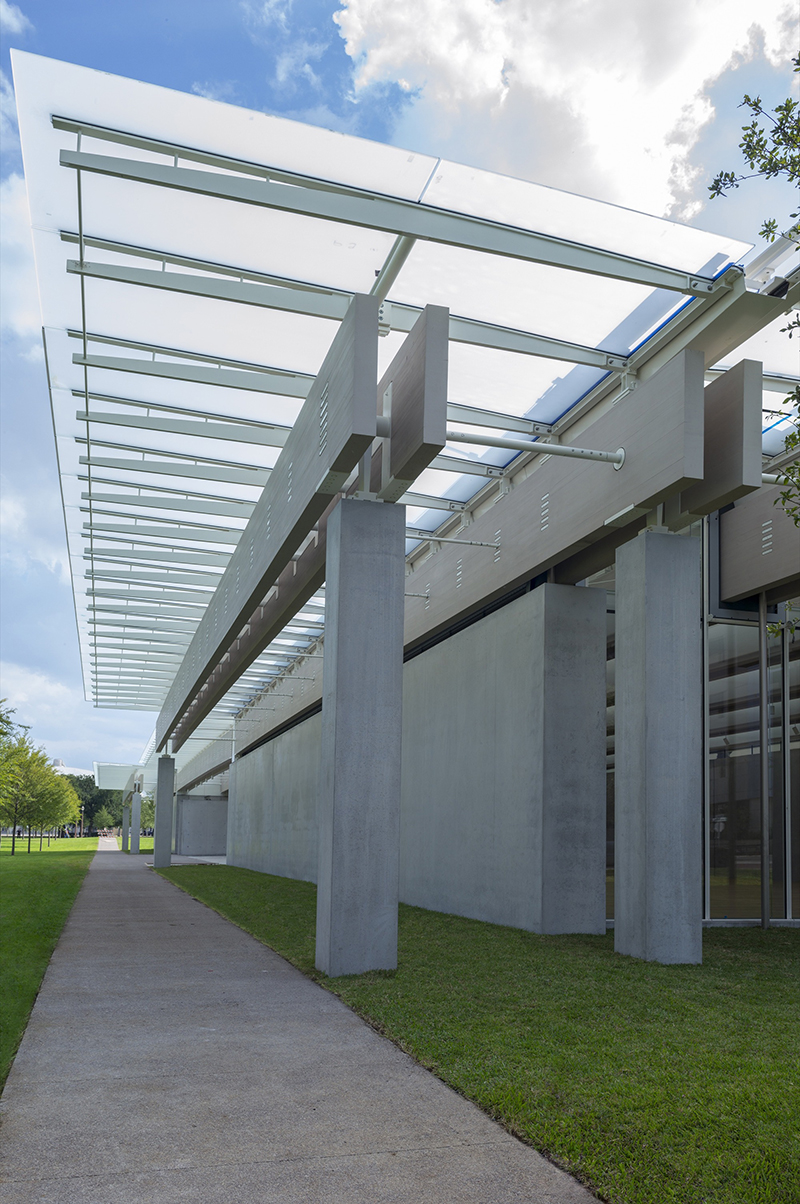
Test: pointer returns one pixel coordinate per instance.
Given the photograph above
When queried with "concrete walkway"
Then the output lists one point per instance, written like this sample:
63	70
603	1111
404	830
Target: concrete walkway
170	1057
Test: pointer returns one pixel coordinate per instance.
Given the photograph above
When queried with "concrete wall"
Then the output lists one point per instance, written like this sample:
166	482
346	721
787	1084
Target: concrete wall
272	814
200	826
503	801
472	830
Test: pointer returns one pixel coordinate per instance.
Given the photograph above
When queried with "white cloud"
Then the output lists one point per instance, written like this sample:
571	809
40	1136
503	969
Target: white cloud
26	535
69	727
12	19
296	62
224	90
9	129
19	299
267	13
602	98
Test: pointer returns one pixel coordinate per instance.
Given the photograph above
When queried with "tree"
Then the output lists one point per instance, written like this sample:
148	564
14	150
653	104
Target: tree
103	818
32	794
770	147
148	811
93	798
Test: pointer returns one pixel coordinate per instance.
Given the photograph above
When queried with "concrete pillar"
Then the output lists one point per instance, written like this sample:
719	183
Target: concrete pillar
165	789
126	827
359	806
136	820
659	758
569	781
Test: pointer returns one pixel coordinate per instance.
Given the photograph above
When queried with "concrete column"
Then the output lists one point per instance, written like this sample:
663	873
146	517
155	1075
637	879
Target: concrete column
359	805
136	820
126	827
659	758
165	789
569	782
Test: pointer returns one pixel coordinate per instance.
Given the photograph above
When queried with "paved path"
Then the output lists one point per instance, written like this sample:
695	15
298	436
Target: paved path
170	1057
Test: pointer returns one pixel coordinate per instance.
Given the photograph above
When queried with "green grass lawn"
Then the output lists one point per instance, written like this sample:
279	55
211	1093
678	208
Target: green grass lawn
37	891
145	843
650	1083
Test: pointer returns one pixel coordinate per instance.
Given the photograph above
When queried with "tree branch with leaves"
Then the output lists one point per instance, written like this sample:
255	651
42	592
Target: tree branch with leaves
770	147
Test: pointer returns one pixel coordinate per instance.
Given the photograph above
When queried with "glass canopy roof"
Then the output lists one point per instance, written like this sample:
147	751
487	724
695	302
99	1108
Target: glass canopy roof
171	399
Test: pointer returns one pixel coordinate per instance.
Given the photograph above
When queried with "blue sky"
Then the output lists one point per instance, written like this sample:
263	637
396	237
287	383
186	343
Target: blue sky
634	103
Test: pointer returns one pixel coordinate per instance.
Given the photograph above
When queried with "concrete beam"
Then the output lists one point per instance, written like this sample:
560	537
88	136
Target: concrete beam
659	757
165	790
359	813
136	820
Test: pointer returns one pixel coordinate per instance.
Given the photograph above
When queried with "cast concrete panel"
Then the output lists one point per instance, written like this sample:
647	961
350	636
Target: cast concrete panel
165	790
126	828
503	813
732	444
566	505
136	820
359	812
659	764
759	549
201	826
273	802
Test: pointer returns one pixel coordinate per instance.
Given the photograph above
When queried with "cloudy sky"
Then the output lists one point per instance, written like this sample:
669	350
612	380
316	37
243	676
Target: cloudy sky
631	101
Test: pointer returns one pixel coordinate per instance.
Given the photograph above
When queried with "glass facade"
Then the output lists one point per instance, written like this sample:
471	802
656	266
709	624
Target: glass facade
732	794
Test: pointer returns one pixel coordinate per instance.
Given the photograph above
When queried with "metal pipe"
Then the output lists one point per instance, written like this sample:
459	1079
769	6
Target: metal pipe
763	743
402	248
617	458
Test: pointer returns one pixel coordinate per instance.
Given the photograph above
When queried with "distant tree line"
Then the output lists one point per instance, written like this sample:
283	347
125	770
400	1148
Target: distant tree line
35	799
101	808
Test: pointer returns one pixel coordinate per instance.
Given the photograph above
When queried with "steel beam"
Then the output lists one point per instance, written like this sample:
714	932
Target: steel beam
222	535
227	509
334	306
267	435
255	382
406	218
211	472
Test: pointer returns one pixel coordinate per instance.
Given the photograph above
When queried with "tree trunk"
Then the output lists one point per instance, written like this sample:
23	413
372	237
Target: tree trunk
41	837
29	838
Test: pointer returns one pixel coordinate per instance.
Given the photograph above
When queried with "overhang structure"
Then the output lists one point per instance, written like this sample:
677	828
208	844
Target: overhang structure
198	262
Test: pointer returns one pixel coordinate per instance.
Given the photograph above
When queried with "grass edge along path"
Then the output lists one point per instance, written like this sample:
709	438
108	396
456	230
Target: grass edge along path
37	892
649	1083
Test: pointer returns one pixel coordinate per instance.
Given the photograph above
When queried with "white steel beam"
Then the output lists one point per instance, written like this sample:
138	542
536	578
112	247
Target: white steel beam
204	471
475	468
176	556
144	612
334	306
267	435
226	535
429	501
166	580
227	509
198	374
399	217
187	598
